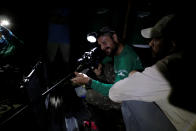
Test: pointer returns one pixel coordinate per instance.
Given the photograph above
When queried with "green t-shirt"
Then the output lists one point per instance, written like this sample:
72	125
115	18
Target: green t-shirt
124	63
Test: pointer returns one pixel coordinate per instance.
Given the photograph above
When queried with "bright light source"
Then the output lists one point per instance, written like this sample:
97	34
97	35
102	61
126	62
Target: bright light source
4	23
91	37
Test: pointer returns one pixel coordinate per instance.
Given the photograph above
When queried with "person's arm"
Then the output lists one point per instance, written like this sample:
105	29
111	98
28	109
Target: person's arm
101	87
123	65
148	85
120	73
82	79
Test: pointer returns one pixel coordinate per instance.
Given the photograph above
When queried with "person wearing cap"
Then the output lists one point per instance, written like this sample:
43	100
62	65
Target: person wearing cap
145	95
124	57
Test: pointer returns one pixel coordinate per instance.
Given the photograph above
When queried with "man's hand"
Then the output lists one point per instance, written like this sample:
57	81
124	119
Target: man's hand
132	72
98	70
80	79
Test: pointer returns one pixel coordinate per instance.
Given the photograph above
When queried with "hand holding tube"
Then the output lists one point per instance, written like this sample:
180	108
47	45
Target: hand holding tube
80	79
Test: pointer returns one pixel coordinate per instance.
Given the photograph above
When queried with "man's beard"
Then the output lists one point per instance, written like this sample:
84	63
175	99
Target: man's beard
114	50
156	56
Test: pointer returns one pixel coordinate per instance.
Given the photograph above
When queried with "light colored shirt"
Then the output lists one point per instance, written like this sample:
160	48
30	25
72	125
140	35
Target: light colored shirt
152	86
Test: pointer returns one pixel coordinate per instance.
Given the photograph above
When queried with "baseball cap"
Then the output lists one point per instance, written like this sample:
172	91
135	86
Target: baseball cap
158	29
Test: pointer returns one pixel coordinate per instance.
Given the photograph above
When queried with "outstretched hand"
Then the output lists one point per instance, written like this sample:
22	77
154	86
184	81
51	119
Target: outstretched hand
80	79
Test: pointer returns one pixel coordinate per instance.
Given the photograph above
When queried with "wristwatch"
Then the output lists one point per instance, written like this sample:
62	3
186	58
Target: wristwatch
88	85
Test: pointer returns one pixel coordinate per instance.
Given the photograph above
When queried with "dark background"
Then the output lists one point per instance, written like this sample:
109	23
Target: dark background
128	17
31	24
